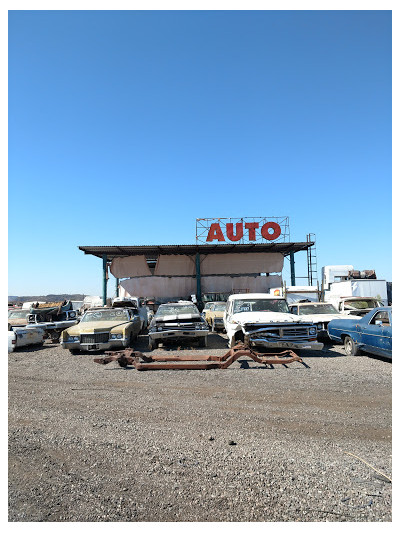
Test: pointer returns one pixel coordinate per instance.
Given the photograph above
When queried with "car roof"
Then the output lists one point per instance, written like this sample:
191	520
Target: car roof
178	303
312	303
255	295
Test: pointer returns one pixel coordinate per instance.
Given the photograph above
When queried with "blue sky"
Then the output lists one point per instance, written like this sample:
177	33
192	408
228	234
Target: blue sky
126	126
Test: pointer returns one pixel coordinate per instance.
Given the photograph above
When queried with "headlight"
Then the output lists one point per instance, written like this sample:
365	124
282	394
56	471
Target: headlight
115	336
319	325
72	314
312	331
159	328
72	338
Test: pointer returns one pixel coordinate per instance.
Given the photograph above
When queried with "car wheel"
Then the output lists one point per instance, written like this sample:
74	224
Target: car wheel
203	342
152	344
350	347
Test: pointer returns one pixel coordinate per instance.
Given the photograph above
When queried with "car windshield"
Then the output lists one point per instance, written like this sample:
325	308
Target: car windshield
317	309
18	314
267	304
165	310
360	304
106	314
219	307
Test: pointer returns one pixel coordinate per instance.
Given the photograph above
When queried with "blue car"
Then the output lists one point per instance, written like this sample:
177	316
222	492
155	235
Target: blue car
371	333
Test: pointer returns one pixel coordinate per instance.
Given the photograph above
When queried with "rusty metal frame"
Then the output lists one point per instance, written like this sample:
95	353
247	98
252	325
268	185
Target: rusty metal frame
140	361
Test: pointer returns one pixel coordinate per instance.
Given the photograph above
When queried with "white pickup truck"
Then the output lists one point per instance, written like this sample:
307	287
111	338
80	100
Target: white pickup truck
264	320
355	305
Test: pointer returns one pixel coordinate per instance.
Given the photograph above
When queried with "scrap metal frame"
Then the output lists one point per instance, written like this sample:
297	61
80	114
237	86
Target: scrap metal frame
142	361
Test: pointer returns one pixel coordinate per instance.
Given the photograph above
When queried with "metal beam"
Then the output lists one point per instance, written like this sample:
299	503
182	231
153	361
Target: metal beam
104	279
292	271
198	278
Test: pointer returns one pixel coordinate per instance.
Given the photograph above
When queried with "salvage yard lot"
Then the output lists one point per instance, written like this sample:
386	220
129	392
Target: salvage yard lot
89	442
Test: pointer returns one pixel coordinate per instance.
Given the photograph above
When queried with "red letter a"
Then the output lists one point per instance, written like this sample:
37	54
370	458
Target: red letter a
215	233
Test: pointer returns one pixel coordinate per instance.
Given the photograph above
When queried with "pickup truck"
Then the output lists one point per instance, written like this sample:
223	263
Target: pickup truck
264	320
355	305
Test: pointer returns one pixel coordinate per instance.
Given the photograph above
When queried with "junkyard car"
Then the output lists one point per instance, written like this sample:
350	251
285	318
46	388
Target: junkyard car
103	329
371	333
356	305
21	336
264	320
319	313
214	315
53	317
17	317
206	307
134	301
177	321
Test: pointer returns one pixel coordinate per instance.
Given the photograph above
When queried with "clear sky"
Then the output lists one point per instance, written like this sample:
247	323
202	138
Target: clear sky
126	126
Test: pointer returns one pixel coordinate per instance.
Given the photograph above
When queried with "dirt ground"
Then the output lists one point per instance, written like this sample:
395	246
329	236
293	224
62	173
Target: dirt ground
90	442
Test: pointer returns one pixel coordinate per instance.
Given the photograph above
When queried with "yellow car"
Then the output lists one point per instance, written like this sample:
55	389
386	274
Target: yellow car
214	315
103	329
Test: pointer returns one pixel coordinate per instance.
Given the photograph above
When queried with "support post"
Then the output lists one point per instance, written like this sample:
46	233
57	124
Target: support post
198	278
116	287
292	271
104	279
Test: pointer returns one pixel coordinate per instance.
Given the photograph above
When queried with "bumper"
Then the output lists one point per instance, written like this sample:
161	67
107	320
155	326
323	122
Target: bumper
177	334
312	345
100	346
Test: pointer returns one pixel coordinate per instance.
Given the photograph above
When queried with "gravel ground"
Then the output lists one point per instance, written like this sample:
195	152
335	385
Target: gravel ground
89	442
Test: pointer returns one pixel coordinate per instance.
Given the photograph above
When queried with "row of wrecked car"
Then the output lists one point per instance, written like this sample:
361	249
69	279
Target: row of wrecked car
259	321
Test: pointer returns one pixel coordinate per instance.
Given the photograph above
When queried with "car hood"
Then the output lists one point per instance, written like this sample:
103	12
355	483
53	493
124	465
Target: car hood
344	322
94	327
180	316
217	314
262	317
322	317
17	321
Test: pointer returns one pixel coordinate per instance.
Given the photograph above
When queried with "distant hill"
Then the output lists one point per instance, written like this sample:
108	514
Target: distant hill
47	298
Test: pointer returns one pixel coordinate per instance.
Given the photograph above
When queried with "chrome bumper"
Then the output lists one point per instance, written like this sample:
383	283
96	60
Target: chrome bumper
178	333
312	345
96	347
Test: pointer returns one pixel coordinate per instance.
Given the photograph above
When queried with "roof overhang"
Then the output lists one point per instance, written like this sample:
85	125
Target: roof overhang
151	251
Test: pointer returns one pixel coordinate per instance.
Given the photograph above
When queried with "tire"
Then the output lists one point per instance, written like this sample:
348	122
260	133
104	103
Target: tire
350	347
152	344
203	342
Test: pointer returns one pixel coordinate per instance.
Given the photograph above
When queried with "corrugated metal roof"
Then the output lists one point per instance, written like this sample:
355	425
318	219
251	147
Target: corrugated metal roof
190	249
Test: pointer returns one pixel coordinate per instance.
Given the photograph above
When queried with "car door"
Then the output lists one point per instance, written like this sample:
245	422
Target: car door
376	335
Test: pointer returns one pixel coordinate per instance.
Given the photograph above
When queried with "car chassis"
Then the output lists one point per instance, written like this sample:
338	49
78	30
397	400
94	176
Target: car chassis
196	362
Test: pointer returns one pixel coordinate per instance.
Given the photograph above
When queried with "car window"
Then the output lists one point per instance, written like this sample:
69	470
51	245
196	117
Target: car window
108	315
270	304
382	316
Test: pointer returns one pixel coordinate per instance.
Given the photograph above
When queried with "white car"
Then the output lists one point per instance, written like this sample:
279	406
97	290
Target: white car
18	337
319	313
260	319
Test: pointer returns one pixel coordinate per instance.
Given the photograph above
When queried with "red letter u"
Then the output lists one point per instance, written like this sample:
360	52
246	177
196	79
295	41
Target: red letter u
239	231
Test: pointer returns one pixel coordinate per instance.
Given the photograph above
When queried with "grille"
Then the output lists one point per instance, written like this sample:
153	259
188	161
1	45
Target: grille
94	338
186	326
276	333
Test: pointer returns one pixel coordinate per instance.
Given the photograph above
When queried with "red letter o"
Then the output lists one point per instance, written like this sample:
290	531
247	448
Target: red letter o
271	236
